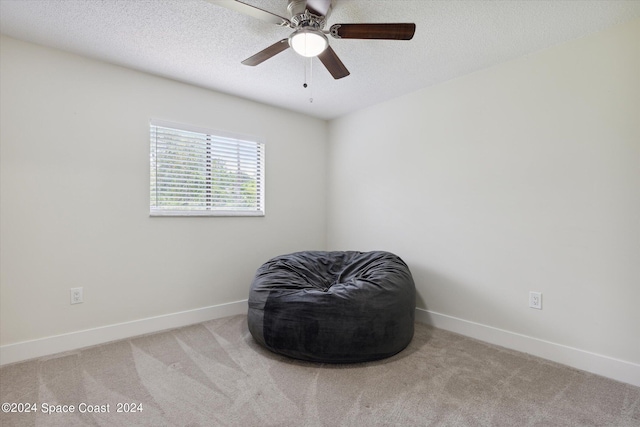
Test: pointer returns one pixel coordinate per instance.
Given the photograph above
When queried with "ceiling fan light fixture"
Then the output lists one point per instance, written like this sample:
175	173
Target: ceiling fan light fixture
308	42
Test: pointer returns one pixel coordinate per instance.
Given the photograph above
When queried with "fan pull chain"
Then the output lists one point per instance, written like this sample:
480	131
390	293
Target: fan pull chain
305	85
311	79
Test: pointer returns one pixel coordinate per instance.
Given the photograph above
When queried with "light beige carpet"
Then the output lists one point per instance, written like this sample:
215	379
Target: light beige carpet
214	374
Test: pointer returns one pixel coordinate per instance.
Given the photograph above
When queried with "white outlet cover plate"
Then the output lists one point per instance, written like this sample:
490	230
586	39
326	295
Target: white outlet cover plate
76	295
535	300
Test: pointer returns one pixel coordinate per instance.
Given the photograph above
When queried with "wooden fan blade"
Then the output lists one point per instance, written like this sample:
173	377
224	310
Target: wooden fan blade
267	53
373	31
319	7
331	61
256	12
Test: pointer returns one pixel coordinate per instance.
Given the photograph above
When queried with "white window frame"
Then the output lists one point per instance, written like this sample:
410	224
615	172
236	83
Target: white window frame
212	141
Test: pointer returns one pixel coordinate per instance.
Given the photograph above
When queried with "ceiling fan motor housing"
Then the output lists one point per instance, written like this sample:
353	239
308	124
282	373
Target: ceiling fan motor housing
298	7
301	16
307	40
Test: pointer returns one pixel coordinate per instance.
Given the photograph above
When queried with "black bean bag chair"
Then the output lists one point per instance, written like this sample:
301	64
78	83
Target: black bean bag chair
334	307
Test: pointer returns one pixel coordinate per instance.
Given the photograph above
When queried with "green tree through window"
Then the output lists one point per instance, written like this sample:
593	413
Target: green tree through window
205	173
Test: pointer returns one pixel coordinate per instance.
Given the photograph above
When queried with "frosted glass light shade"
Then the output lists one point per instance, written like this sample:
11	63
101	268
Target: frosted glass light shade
308	42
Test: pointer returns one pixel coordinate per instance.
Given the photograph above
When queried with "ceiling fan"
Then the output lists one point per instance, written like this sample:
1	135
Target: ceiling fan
308	19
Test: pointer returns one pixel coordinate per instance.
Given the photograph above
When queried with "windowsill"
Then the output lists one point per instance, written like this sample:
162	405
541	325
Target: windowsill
206	213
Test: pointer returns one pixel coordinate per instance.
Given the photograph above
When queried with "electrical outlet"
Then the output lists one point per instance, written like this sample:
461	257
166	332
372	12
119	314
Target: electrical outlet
76	295
535	300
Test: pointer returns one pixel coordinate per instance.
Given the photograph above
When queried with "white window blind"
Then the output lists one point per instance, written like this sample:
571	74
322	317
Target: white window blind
204	173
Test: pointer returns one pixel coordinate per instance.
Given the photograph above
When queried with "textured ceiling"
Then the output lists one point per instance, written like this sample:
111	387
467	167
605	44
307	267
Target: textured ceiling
203	44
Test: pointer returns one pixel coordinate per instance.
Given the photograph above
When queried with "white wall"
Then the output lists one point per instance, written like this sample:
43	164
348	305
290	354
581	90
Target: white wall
74	151
524	176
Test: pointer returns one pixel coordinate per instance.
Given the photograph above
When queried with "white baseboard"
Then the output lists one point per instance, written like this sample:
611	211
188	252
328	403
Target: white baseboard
25	350
609	367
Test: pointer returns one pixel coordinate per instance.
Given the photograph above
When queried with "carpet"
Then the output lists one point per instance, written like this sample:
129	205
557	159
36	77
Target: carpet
214	374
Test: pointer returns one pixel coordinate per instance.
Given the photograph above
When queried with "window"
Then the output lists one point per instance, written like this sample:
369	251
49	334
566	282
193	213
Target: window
196	172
